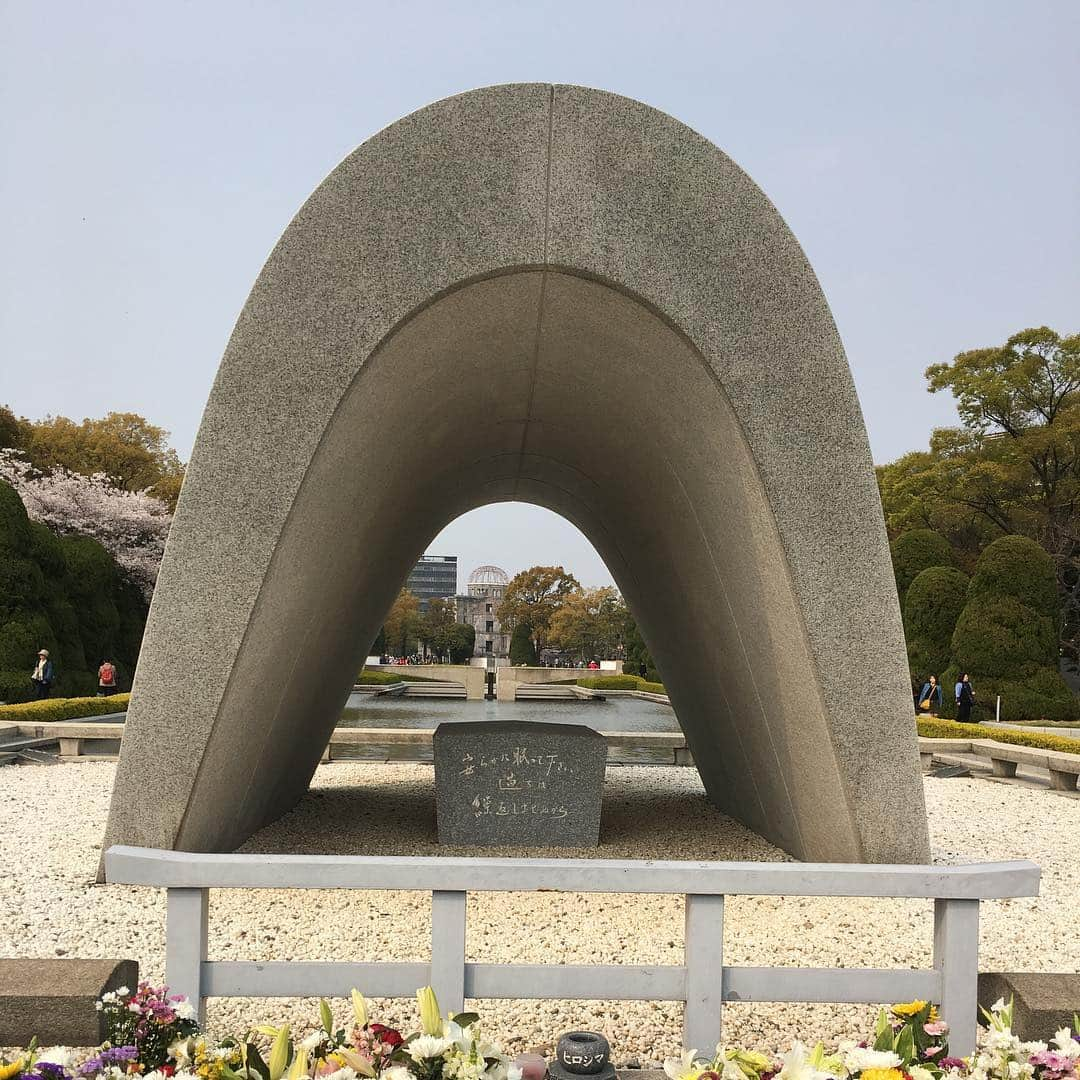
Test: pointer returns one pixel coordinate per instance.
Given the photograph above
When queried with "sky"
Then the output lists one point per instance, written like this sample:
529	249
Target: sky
926	155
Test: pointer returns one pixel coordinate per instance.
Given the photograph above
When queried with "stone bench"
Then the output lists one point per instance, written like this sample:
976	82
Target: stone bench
55	999
1005	757
929	747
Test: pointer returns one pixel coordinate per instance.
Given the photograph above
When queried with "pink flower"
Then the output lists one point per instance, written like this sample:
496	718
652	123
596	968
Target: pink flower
930	1051
938	1027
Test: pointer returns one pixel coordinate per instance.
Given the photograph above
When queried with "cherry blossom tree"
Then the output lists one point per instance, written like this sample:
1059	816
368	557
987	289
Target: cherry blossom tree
131	525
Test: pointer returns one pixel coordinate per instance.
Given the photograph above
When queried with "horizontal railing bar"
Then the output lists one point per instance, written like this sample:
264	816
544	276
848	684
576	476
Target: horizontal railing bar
840	985
613	982
240	978
196	870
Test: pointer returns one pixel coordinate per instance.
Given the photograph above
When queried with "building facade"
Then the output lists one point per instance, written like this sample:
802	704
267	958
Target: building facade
434	576
485	590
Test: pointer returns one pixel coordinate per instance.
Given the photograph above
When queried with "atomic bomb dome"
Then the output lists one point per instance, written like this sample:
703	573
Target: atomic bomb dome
489	575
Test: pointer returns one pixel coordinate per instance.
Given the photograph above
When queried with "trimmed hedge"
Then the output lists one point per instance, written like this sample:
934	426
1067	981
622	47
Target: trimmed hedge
522	648
1017	567
65	594
1006	637
950	729
620	682
932	605
51	710
388	678
915	551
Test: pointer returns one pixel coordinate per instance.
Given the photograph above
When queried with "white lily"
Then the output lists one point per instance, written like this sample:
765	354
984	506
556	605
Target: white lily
683	1068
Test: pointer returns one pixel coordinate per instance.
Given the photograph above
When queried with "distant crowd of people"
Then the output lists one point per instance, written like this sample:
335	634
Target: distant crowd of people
416	658
928	699
44	675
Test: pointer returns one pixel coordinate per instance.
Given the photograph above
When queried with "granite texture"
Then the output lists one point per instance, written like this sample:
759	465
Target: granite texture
652	358
55	999
510	782
1043	1002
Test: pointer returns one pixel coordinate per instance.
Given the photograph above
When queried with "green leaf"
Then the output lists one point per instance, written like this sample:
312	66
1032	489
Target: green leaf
326	1016
255	1061
465	1019
905	1044
280	1053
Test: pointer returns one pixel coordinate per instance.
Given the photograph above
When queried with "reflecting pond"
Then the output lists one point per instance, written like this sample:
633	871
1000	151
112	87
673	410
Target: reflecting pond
611	714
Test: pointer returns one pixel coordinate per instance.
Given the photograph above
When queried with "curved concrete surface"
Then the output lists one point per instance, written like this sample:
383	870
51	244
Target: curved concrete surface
560	296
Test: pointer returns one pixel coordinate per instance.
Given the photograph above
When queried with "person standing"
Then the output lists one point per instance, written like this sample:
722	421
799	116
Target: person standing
42	676
930	697
965	698
106	679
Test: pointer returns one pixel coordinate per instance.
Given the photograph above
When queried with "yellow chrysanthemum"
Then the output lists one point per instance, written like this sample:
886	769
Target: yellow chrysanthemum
8	1071
881	1074
912	1008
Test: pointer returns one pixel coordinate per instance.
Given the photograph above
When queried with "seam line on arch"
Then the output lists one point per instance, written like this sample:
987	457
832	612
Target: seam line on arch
542	297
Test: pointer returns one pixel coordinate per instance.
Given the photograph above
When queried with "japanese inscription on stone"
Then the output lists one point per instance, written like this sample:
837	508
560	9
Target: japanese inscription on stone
519	783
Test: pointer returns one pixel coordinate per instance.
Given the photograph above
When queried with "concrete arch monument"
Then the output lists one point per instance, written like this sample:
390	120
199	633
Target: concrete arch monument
561	296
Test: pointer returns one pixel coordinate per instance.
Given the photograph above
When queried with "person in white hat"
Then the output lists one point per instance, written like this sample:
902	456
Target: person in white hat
42	677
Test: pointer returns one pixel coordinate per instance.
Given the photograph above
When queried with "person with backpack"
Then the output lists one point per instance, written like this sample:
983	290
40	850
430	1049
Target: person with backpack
106	678
42	676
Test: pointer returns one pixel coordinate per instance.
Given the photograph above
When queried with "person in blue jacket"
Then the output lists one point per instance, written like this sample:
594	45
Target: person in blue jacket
42	676
930	697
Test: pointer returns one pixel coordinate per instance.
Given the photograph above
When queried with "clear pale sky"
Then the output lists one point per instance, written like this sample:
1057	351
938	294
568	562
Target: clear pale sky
926	154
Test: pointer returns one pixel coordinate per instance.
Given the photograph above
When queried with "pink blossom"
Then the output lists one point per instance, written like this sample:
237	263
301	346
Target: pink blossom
938	1027
930	1051
131	525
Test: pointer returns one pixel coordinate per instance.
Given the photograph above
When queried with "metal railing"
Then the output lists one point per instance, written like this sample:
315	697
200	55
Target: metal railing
702	982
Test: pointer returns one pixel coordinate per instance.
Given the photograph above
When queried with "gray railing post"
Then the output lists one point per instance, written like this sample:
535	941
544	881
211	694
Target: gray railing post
185	945
448	949
704	951
956	959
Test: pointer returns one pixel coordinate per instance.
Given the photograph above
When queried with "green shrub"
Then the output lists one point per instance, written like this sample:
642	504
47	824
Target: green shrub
1006	638
916	551
522	649
932	604
1017	567
52	710
388	678
620	682
950	729
64	594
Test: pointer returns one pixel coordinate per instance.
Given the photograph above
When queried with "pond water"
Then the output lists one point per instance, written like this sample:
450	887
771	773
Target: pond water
611	714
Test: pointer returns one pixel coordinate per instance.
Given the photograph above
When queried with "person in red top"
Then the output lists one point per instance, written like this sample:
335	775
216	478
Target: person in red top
106	679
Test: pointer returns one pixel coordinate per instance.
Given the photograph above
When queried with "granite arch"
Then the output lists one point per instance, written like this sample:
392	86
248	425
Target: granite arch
557	295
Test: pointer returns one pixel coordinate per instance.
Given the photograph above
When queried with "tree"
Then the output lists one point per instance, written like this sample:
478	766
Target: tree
462	642
436	626
932	605
588	624
402	624
133	453
131	525
64	594
1006	636
637	660
533	597
1013	468
916	551
522	650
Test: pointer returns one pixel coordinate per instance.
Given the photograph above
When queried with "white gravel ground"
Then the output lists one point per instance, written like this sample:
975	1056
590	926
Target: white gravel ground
52	819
